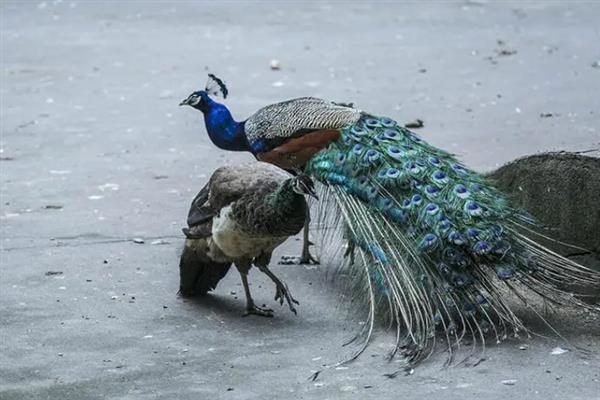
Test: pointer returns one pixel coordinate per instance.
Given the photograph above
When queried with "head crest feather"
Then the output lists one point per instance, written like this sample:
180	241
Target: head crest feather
216	86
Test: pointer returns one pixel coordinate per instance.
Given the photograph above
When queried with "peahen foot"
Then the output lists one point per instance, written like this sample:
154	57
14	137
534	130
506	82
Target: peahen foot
252	309
282	292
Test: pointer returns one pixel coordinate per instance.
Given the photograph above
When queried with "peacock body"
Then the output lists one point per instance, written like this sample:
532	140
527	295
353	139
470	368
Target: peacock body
434	245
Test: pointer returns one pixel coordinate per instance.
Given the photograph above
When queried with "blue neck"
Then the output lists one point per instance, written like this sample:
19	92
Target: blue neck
223	130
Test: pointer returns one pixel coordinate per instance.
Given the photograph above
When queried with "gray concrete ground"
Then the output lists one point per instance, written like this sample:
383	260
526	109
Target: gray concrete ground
95	152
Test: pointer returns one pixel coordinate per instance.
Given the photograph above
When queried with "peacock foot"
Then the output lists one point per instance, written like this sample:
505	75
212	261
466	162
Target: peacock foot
282	293
253	309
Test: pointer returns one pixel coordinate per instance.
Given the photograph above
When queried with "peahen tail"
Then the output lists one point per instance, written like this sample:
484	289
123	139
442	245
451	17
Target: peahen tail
433	244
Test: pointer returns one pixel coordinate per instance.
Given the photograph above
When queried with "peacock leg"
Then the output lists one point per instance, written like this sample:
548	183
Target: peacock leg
305	257
251	308
281	292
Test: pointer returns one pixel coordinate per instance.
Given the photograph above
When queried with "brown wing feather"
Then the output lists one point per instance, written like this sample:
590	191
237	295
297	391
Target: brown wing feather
297	151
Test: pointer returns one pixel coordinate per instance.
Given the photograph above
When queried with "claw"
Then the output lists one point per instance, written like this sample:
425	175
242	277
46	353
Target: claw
282	293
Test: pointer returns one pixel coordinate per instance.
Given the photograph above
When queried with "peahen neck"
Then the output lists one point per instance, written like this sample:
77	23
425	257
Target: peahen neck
223	130
286	200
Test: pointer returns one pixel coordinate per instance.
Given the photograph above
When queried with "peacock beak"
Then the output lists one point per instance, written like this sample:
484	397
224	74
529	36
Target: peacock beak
185	102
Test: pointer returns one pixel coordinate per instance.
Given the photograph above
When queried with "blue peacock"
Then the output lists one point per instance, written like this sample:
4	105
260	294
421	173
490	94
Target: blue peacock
434	246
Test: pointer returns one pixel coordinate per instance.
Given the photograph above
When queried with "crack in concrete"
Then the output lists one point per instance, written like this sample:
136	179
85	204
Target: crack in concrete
89	243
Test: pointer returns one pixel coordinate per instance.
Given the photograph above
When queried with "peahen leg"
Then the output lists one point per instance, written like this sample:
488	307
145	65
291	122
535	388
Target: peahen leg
281	292
251	308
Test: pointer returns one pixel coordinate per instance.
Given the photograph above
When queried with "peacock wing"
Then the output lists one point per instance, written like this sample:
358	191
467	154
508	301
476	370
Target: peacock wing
277	123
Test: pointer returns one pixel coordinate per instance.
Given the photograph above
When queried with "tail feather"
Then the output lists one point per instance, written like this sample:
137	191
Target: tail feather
438	246
198	274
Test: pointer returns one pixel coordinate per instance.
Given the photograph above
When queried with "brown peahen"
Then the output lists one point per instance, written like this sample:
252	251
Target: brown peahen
240	216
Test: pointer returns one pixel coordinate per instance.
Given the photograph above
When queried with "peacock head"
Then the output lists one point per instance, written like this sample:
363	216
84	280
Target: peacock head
303	184
201	100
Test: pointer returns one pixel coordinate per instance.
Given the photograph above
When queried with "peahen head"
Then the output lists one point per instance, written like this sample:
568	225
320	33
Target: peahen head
303	184
201	100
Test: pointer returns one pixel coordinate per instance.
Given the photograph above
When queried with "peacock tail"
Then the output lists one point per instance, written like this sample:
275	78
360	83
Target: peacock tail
436	244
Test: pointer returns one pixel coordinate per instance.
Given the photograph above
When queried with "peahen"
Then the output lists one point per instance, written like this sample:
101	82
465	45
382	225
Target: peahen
240	216
432	244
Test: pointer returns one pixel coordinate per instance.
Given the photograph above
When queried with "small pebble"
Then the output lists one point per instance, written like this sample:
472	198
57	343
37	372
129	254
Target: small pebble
418	123
138	240
558	351
509	382
275	65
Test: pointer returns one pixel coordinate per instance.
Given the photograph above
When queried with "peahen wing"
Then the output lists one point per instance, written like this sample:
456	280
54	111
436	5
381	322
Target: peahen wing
228	184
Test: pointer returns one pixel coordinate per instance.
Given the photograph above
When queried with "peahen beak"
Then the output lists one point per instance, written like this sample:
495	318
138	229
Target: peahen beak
313	194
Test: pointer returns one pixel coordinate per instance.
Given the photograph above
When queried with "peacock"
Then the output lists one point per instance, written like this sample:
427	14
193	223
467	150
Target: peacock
240	216
431	246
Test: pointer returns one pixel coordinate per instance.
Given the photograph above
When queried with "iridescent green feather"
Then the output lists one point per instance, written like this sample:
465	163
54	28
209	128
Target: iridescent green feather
438	241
